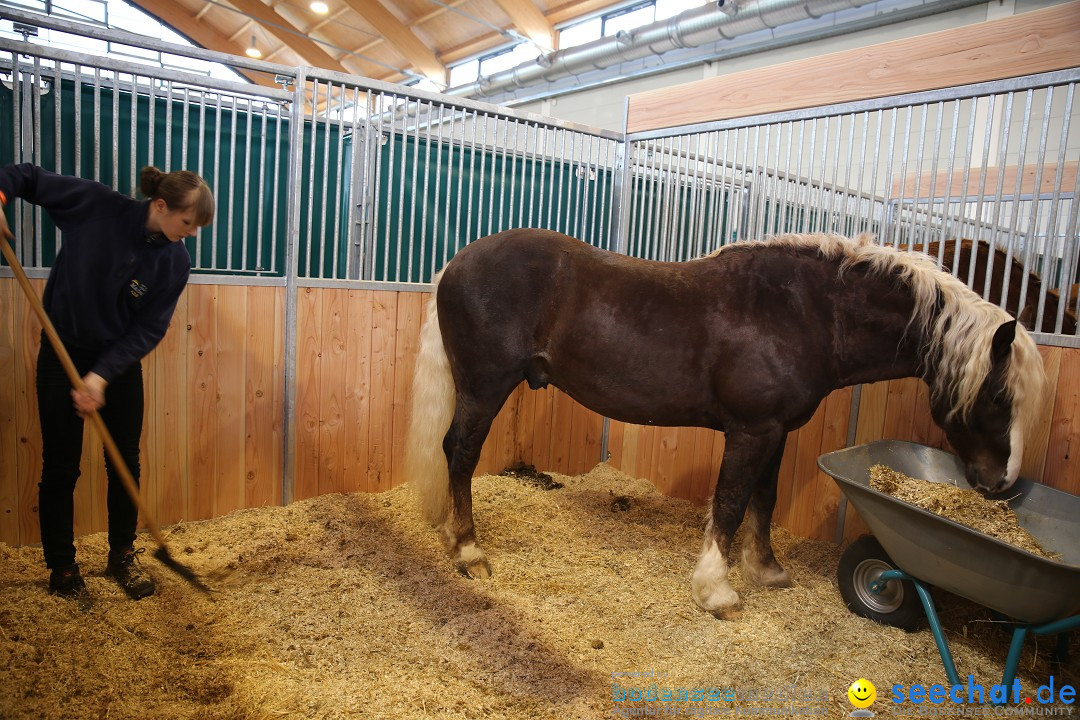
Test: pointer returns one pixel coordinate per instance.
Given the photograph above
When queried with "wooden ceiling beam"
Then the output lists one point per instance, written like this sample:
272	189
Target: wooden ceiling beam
295	38
530	22
173	15
401	37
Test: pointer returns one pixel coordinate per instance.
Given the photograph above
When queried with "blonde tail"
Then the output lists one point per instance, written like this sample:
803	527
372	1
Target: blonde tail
433	396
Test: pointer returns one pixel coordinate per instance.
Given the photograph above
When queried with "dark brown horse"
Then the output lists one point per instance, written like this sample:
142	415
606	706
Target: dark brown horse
747	341
1027	310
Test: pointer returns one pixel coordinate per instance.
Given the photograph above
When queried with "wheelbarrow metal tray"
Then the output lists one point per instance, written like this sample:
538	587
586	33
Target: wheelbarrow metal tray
954	557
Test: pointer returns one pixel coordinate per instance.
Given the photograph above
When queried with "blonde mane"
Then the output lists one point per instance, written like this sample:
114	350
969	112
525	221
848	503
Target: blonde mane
958	334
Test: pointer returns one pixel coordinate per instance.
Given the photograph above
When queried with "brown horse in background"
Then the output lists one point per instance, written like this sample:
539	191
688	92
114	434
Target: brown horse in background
747	341
1027	310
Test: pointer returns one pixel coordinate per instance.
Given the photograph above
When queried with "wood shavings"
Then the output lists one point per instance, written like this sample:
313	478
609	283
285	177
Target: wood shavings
346	606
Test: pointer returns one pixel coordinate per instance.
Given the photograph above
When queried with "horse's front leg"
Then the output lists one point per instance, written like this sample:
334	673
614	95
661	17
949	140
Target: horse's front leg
759	564
747	458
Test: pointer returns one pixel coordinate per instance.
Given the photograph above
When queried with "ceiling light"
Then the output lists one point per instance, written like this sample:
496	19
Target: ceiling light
319	7
253	51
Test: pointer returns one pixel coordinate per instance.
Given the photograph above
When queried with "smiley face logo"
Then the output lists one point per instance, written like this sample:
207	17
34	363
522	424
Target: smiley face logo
862	693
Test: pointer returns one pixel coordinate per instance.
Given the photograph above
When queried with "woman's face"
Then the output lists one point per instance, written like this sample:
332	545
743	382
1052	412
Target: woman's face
176	225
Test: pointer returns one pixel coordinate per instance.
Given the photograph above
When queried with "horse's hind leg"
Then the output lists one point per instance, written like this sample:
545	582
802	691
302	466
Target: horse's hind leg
462	444
748	456
759	565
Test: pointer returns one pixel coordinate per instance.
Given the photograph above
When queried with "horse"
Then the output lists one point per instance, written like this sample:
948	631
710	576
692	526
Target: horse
1025	311
746	341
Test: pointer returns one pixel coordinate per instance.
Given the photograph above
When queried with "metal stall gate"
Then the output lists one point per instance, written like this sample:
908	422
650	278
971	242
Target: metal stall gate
994	163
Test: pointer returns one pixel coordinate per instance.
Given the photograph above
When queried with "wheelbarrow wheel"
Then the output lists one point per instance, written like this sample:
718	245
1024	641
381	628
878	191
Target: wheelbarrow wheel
861	564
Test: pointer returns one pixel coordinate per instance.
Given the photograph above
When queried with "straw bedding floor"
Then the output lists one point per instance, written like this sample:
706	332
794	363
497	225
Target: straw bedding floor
344	606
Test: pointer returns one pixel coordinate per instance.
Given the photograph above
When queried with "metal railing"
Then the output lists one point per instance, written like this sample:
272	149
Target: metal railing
994	163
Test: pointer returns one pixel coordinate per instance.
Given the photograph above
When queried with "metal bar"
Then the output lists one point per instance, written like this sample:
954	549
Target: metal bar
296	145
413	197
229	264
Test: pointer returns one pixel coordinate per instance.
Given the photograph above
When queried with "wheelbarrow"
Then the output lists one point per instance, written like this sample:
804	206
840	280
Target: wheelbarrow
887	577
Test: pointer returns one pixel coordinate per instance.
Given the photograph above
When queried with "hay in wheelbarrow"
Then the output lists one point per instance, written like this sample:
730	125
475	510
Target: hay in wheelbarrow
345	606
963	505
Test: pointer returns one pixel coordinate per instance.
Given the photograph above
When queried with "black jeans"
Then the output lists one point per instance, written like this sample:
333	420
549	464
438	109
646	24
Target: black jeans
61	446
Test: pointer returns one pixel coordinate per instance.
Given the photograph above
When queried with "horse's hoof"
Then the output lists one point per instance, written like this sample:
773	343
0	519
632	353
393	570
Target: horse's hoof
472	562
477	569
728	614
718	599
776	577
767	575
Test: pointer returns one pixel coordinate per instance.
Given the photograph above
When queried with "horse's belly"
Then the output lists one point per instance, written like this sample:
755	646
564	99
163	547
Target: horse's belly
652	404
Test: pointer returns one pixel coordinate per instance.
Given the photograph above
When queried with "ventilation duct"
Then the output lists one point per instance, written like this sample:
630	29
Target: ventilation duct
693	28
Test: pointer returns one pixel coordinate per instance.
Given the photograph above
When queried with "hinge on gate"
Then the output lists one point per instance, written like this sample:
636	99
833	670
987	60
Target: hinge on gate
284	80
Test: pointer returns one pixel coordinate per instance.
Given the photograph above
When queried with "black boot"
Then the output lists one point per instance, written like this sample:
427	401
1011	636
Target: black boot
68	583
125	568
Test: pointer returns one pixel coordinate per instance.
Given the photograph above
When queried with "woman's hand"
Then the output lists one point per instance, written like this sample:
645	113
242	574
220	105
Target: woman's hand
93	398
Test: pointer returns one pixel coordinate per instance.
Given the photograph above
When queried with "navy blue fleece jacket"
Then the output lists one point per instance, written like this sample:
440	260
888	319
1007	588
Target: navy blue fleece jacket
113	287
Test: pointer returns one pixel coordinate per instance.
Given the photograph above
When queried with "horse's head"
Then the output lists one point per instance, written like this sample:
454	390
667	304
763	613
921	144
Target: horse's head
986	437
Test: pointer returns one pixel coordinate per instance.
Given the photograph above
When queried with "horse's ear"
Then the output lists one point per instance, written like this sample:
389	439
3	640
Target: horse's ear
1001	345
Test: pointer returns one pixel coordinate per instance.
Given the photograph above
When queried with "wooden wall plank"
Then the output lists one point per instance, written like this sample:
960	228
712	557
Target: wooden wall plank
562	413
380	432
263	396
542	429
357	388
407	343
630	457
806	481
231	349
9	436
28	453
1029	42
827	493
703	472
332	365
1062	469
1037	442
202	373
585	431
521	450
309	344
171	390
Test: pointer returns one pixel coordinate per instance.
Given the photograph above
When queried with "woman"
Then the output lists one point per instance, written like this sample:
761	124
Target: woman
111	294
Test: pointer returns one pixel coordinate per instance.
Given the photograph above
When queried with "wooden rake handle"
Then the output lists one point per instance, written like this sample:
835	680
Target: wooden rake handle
77	382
